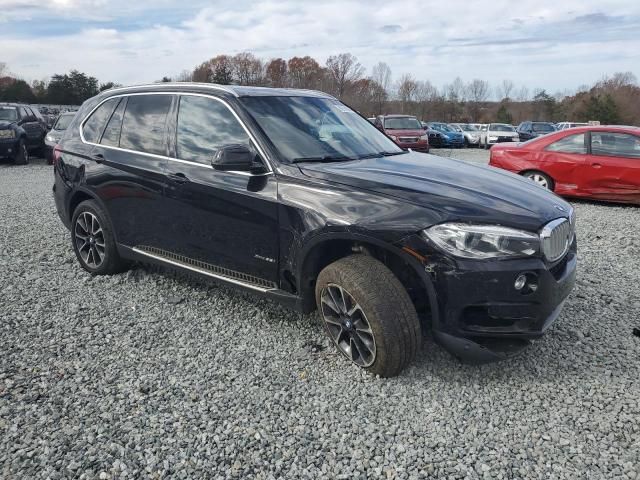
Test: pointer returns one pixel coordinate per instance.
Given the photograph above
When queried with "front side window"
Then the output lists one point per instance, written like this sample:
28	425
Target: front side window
205	125
612	144
569	144
312	128
144	123
94	125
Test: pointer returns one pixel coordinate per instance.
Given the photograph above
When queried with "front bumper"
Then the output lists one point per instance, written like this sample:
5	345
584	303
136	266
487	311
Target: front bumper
422	146
8	147
503	140
481	316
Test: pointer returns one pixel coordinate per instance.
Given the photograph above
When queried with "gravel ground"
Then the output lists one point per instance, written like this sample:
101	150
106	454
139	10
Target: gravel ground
150	375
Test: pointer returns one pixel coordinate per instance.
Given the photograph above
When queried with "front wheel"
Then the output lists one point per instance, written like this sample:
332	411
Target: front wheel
368	314
22	154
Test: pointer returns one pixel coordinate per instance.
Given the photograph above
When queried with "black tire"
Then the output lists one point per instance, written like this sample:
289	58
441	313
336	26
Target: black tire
22	155
110	260
387	309
540	178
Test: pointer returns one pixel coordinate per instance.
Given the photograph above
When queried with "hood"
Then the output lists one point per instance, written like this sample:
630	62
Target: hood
453	190
416	132
501	133
5	123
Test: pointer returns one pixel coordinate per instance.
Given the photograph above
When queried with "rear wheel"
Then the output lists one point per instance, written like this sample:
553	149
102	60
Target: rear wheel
93	240
368	314
540	178
22	155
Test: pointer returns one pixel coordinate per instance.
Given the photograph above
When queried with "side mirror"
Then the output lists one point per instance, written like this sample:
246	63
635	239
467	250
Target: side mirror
233	157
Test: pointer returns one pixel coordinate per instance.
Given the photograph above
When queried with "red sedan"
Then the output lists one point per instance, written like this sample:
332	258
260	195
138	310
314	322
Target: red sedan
598	162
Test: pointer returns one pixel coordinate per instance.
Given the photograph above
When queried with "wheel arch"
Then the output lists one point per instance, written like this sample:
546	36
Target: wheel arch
327	248
523	172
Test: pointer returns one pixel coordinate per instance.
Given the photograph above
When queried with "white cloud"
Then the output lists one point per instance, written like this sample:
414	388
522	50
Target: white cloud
534	42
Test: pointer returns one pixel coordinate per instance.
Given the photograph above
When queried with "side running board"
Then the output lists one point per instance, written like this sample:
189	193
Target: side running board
220	273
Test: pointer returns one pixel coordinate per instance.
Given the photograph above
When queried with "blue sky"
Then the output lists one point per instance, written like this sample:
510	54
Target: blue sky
554	45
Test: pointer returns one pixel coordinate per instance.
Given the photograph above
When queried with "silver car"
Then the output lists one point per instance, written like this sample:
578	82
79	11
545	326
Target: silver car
55	134
471	133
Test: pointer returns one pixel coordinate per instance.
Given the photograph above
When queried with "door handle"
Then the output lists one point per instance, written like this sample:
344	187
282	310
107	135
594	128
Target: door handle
98	158
178	178
596	165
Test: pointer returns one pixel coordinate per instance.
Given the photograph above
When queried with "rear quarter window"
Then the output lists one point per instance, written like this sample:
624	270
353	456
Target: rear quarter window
94	125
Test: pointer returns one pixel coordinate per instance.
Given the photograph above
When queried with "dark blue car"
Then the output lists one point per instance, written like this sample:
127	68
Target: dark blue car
451	138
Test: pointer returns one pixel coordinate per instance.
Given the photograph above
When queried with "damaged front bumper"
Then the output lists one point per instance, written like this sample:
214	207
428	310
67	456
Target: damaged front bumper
482	316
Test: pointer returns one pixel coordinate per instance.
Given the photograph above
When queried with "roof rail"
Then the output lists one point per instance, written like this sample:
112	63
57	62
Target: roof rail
213	86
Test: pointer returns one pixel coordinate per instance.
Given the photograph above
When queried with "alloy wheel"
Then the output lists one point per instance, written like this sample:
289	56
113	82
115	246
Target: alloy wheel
347	325
539	179
89	239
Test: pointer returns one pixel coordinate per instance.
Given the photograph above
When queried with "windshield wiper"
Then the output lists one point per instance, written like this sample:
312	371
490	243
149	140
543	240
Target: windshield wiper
325	158
381	154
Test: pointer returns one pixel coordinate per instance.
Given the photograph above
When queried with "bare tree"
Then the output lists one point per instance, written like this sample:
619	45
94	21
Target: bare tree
184	76
503	91
477	92
406	88
248	69
3	69
343	69
381	74
523	94
456	91
424	94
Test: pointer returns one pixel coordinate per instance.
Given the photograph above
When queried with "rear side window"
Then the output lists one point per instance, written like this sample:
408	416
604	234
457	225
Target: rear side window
144	124
615	144
569	144
111	135
205	125
94	125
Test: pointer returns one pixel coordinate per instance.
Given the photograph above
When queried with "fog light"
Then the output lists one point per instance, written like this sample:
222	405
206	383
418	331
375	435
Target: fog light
521	281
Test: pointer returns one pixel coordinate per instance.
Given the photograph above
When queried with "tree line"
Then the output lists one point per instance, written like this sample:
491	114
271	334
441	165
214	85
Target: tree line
614	99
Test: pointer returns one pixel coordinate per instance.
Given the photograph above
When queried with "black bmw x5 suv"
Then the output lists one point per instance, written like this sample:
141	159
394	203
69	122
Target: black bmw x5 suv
292	194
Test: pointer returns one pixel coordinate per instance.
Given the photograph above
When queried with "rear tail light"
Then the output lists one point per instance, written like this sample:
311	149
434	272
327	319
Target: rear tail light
57	153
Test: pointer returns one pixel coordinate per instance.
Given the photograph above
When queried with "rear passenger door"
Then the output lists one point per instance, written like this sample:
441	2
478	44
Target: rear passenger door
129	156
225	219
612	170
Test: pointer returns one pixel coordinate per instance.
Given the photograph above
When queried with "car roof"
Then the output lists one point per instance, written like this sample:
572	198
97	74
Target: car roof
609	128
397	116
230	90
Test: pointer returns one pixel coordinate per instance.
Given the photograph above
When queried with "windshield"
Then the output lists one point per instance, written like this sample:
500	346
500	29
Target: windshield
402	123
443	127
63	122
10	114
468	128
501	127
317	129
543	127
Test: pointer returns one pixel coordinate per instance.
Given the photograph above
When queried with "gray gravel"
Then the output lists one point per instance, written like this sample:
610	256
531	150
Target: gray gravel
150	374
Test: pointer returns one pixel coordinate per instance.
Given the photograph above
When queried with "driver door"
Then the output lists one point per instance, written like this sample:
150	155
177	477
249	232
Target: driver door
226	219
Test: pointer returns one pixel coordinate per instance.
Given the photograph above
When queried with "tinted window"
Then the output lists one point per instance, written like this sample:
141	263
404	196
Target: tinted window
205	125
543	127
111	134
569	144
23	112
615	144
93	127
143	127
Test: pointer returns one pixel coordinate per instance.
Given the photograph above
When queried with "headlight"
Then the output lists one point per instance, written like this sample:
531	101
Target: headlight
50	138
393	137
492	137
483	241
473	137
424	137
7	134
